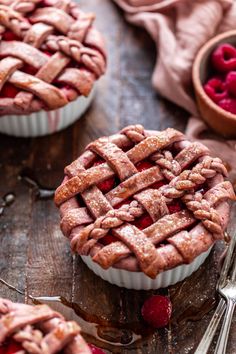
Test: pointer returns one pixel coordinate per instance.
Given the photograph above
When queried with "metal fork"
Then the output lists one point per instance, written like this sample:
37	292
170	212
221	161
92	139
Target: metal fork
205	343
228	291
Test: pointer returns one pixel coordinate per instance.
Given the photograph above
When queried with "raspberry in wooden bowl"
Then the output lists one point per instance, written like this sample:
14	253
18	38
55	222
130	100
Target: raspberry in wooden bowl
214	80
27	329
50	58
144	208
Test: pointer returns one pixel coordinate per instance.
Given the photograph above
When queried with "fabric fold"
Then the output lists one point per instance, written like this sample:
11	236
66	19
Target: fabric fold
179	28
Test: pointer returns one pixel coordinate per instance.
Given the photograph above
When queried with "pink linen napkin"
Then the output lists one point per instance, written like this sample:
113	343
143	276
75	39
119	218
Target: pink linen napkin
179	28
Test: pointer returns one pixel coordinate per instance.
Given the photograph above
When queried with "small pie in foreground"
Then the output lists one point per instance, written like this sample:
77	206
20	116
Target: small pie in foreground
38	330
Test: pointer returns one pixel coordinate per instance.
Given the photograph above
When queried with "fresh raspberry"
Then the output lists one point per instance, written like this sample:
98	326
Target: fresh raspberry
156	311
144	165
174	207
231	83
96	350
216	89
143	222
108	239
108	184
224	58
9	36
228	104
9	91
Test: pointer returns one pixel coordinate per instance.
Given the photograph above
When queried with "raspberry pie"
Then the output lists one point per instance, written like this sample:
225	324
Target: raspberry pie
37	330
51	54
140	204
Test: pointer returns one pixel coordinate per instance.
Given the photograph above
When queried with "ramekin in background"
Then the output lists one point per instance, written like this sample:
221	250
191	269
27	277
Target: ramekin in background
223	122
45	122
140	281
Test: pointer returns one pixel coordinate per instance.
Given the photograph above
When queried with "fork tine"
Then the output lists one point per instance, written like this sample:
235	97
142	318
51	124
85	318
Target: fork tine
233	275
227	261
227	289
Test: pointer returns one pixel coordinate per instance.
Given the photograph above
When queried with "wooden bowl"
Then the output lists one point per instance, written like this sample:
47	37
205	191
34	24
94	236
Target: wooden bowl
218	119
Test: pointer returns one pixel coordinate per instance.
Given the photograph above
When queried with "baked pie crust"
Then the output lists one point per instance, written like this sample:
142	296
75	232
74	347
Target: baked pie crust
39	329
191	178
50	54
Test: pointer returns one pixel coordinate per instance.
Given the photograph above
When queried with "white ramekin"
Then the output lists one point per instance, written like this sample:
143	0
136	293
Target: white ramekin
140	281
44	123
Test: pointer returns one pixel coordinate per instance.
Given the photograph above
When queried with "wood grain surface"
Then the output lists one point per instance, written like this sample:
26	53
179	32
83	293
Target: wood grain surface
36	258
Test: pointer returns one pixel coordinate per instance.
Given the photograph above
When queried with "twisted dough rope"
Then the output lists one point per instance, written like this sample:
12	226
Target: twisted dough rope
21	6
203	211
170	168
31	339
34	341
101	227
135	133
189	180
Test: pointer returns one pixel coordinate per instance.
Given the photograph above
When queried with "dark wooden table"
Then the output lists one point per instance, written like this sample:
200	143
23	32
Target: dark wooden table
35	257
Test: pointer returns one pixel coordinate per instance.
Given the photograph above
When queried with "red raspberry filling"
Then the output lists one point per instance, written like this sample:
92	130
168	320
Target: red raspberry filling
8	91
156	311
143	222
144	165
10	348
108	239
126	201
175	207
159	184
96	350
108	184
10	36
29	69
